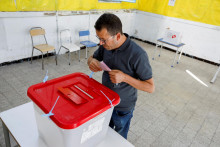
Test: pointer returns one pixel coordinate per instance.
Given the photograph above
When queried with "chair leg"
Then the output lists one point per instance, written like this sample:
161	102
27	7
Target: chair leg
160	49
79	55
42	61
86	52
55	56
69	57
32	55
59	50
47	55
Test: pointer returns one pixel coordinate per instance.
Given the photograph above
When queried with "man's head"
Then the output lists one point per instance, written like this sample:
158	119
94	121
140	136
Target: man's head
110	22
109	31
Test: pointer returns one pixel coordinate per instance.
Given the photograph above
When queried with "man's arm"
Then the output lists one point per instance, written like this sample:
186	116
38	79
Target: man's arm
94	64
117	76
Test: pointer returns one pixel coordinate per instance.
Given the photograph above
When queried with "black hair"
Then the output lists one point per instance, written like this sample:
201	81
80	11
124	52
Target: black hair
109	21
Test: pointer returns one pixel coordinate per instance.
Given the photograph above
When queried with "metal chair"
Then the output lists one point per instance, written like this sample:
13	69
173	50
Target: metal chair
66	43
39	32
86	42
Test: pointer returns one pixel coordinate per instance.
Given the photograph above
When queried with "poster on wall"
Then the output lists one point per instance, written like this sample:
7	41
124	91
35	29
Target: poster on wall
171	2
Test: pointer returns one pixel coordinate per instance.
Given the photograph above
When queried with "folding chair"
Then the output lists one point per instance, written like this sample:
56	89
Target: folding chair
39	32
66	43
86	42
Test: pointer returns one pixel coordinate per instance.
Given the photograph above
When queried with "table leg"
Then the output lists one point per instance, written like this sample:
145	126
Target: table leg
213	79
155	51
86	52
160	49
180	55
6	135
69	56
175	57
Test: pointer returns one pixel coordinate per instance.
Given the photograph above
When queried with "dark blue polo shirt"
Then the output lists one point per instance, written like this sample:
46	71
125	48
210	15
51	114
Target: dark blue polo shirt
130	59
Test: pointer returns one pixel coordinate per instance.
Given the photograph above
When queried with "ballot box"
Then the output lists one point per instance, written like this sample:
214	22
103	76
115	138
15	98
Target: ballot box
73	109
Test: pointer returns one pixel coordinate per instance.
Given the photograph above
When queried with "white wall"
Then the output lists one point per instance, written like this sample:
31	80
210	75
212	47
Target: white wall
15	41
17	37
202	40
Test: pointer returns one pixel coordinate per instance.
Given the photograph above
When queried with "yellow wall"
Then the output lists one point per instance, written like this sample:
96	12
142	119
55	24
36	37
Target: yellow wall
51	5
205	11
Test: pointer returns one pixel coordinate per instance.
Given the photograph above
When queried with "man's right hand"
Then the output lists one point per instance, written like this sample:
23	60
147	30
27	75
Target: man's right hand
94	65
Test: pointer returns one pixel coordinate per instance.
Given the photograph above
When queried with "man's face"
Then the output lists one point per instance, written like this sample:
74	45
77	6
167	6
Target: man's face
106	40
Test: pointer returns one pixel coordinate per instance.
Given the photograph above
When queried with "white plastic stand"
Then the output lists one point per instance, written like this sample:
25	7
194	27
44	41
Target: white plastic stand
20	122
179	49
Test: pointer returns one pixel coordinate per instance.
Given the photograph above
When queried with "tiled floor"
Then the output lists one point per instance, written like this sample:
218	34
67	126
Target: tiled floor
181	111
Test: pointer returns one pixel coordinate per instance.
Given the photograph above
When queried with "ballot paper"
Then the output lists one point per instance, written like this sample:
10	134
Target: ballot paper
104	66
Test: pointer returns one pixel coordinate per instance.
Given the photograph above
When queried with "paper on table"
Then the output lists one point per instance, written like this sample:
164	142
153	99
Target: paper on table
104	66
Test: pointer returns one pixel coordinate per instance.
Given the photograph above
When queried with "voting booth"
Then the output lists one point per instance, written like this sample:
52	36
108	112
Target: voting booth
73	109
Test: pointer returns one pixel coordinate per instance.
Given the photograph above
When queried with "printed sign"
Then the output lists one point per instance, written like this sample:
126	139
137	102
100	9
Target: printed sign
92	130
172	37
171	2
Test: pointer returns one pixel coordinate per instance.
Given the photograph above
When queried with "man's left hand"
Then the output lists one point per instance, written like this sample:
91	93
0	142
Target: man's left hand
117	76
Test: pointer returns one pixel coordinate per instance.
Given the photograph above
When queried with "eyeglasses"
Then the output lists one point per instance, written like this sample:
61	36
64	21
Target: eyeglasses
104	41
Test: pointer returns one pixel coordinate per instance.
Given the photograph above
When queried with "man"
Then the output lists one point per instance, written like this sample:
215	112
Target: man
130	69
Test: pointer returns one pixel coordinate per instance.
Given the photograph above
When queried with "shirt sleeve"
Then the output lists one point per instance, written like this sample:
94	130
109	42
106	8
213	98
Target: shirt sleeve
142	67
98	54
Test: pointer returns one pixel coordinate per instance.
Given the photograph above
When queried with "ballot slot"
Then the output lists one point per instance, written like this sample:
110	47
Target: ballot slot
84	92
89	90
72	95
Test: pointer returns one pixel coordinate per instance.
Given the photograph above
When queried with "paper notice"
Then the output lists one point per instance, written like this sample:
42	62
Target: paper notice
171	2
92	130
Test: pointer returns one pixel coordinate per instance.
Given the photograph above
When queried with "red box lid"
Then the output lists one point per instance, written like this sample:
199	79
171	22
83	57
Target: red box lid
80	99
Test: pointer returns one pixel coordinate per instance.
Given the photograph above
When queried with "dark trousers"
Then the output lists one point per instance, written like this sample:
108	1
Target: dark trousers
120	121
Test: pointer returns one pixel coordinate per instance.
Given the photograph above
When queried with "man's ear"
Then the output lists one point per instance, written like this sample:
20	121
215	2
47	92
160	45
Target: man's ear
118	36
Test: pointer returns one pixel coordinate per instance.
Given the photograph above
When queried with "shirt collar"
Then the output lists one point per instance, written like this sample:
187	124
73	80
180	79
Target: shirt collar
125	44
